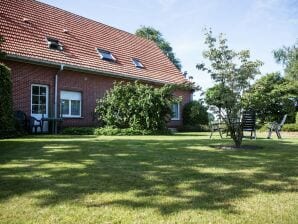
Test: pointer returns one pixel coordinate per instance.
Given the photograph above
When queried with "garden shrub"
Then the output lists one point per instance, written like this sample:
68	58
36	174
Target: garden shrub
195	113
6	111
108	130
290	127
195	116
78	131
287	127
194	128
137	106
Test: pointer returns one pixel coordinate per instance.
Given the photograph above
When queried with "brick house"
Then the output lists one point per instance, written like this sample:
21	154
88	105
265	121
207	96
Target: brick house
62	62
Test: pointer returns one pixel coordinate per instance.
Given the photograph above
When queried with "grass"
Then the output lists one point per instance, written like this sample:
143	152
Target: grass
147	179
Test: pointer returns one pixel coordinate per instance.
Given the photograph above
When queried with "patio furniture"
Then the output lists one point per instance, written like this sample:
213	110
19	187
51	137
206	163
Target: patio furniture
216	126
21	120
35	123
274	126
249	123
53	123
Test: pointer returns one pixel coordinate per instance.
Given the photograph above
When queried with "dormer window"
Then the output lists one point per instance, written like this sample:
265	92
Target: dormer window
106	55
54	44
137	63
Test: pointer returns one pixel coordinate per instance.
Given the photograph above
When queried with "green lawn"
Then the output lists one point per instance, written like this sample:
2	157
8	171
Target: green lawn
147	179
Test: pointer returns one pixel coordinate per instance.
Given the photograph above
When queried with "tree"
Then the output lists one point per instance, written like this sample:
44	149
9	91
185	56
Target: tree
152	34
195	113
137	106
288	56
2	54
6	110
232	72
272	96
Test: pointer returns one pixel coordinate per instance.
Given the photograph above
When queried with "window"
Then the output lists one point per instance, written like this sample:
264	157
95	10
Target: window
39	95
176	111
70	103
54	44
137	63
106	55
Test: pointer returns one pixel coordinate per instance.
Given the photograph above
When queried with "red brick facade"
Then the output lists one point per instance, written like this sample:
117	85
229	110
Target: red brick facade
91	86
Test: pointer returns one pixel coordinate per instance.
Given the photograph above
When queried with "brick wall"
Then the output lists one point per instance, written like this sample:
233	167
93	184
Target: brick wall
91	86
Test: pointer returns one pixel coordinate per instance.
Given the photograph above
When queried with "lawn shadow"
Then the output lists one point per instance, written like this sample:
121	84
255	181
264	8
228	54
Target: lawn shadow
170	174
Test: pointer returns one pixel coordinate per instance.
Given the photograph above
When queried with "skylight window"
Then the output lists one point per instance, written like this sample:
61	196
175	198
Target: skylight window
106	55
137	63
54	44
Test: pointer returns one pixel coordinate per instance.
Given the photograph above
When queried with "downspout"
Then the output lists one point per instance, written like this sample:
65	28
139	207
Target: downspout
56	92
56	98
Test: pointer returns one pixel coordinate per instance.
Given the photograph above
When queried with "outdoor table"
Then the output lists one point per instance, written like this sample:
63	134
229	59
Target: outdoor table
53	123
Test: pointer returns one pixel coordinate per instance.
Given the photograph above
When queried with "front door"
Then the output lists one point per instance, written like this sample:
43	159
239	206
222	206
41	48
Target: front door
40	103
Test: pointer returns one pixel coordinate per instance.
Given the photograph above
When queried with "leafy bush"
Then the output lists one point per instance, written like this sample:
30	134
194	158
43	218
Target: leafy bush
195	113
194	128
6	112
286	127
273	96
78	131
136	106
108	130
290	127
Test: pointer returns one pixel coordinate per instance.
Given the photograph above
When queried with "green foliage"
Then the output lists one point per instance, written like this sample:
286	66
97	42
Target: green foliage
220	96
285	127
2	54
272	96
194	128
195	113
110	131
232	72
154	35
78	131
137	106
6	111
290	127
288	56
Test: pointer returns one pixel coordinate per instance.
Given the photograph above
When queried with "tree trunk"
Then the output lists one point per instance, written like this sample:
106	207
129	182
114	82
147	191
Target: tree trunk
236	134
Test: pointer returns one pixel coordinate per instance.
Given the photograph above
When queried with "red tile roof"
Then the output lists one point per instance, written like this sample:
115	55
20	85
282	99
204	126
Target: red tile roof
26	24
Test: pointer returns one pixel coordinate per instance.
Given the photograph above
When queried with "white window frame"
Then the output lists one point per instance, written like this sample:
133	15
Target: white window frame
101	52
178	117
70	99
137	63
47	98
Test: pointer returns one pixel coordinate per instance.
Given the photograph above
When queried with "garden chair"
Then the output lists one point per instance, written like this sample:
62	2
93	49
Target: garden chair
35	123
274	126
249	123
21	120
216	126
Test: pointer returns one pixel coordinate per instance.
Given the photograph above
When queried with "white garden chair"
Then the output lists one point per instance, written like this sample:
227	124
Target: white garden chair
274	126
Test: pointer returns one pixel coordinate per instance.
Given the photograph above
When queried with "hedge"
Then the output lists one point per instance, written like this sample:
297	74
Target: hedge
110	131
6	111
287	127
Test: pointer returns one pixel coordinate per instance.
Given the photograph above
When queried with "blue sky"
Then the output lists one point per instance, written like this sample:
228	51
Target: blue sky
257	25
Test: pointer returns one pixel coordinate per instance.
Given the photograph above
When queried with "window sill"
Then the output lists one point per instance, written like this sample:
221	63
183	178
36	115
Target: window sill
175	119
72	117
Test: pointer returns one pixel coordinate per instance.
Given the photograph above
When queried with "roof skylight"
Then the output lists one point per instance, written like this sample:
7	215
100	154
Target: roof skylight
54	44
106	55
137	63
